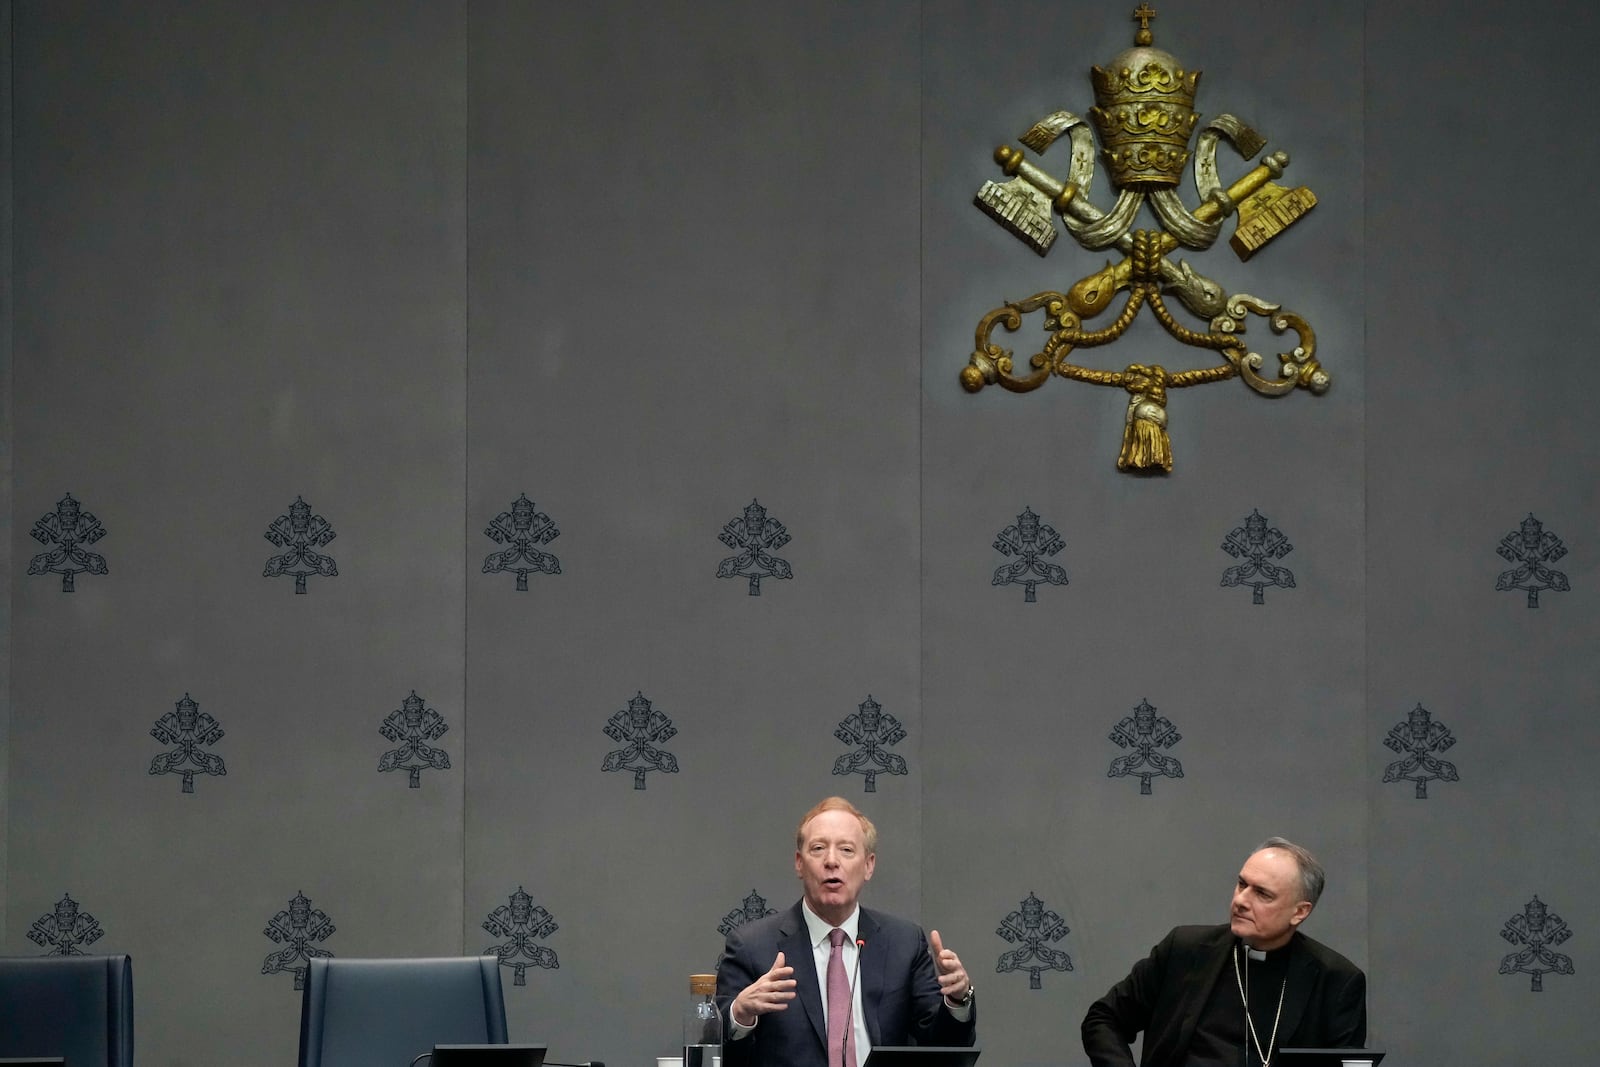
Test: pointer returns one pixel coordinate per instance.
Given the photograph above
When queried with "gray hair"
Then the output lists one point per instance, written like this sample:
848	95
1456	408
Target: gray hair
1312	876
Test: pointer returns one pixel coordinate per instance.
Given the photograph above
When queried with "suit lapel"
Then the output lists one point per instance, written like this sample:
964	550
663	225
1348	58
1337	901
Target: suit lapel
1301	975
795	944
873	955
1213	957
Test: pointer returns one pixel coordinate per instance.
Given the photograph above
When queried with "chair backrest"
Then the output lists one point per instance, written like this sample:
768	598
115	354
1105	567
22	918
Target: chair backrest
383	1013
78	1007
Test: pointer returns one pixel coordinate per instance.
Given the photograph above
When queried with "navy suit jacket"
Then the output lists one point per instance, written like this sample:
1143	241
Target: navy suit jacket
900	998
1324	1005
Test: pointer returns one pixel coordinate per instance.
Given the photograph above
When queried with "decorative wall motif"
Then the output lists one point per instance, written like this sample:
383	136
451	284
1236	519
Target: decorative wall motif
754	907
1032	926
69	528
1029	540
1419	739
1531	549
754	538
300	534
1257	545
639	728
521	923
872	731
1145	732
412	726
66	930
1536	929
187	728
1144	117
297	928
420	293
521	530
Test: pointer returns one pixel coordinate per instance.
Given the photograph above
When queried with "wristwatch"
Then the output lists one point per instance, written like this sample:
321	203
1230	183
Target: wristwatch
965	1001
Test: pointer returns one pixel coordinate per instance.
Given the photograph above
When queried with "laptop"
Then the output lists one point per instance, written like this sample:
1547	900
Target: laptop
1328	1057
921	1056
488	1056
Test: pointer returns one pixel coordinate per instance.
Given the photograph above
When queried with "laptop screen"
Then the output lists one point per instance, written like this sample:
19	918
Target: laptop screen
488	1056
921	1056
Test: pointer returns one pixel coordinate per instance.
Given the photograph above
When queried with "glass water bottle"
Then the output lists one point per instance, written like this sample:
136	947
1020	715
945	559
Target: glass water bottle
702	1024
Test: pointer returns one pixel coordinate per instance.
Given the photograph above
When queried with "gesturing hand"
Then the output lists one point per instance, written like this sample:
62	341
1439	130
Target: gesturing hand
953	981
771	992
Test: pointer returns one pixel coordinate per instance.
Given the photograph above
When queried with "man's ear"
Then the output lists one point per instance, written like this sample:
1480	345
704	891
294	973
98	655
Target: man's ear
1301	911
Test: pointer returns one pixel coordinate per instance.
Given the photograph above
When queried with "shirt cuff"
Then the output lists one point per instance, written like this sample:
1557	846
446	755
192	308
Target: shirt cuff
959	1012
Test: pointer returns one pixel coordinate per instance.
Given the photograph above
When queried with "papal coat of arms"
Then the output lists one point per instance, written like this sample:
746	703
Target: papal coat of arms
70	530
297	928
1030	927
752	908
522	529
522	923
1257	547
1531	549
640	728
755	538
411	726
1027	543
1419	740
871	731
301	534
1143	121
1145	733
188	730
1536	930
66	930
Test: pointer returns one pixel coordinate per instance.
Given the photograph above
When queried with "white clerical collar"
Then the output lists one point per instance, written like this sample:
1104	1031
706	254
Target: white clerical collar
818	928
1259	954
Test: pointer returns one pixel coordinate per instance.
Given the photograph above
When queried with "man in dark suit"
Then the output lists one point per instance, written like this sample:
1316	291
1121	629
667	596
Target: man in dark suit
877	983
1215	995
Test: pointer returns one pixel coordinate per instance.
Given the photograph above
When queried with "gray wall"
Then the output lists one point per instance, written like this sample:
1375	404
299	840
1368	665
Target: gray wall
411	262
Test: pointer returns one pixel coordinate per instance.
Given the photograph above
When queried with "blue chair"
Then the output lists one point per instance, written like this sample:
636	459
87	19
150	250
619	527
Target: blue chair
383	1013
78	1007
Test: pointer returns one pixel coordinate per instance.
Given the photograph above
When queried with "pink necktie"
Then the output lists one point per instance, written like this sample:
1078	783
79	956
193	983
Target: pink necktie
841	1049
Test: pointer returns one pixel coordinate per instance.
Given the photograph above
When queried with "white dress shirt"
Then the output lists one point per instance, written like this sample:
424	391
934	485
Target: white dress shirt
821	951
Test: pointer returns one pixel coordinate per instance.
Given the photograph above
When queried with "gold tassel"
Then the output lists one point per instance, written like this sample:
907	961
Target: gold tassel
1145	445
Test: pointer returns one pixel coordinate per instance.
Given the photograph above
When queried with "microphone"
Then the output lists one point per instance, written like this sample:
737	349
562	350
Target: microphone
850	1007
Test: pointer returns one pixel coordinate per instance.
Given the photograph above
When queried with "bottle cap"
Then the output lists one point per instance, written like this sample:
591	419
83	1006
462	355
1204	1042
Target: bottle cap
703	985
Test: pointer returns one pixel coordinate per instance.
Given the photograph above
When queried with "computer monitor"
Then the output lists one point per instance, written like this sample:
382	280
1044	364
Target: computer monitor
488	1055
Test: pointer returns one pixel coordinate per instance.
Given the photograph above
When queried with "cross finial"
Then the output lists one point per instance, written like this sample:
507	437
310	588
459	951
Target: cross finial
1144	13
